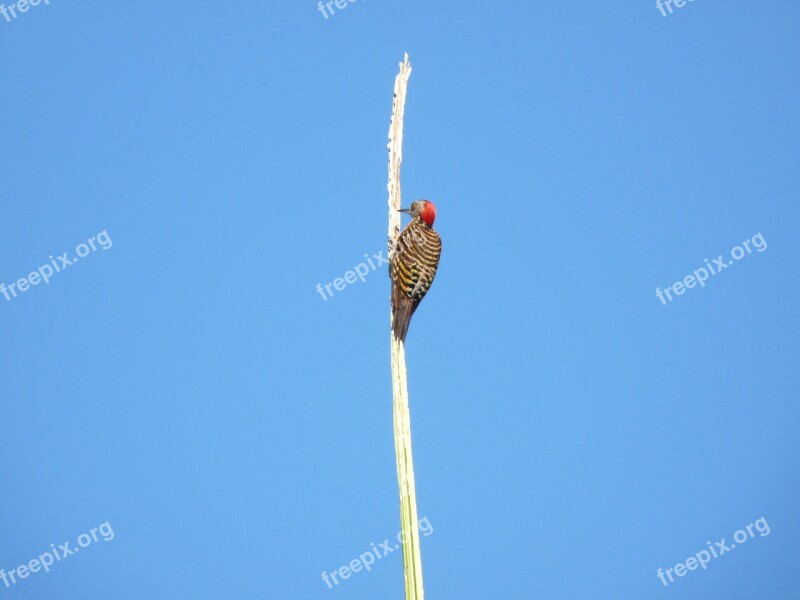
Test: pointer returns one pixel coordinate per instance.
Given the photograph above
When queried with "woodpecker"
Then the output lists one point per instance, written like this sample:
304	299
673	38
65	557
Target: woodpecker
413	264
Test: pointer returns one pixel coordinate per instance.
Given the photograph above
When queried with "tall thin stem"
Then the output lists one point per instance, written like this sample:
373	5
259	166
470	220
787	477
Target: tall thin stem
412	560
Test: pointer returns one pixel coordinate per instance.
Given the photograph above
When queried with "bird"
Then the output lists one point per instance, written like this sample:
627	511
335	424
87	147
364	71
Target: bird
413	264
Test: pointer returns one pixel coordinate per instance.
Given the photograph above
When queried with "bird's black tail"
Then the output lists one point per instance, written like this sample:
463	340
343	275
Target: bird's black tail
402	309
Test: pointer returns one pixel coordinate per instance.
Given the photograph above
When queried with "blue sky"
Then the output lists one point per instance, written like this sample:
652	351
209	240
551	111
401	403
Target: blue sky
190	389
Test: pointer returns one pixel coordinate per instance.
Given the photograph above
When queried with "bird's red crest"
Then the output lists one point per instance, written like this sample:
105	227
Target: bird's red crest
428	213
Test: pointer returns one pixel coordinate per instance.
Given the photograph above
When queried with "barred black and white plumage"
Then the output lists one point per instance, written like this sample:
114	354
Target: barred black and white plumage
413	264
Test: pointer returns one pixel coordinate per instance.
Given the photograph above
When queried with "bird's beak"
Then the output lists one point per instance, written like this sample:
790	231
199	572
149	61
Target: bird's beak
404	210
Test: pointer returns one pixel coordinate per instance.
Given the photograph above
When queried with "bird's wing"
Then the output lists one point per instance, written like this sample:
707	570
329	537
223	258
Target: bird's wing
416	260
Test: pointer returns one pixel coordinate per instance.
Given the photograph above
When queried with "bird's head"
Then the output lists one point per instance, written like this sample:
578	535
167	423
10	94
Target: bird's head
424	209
